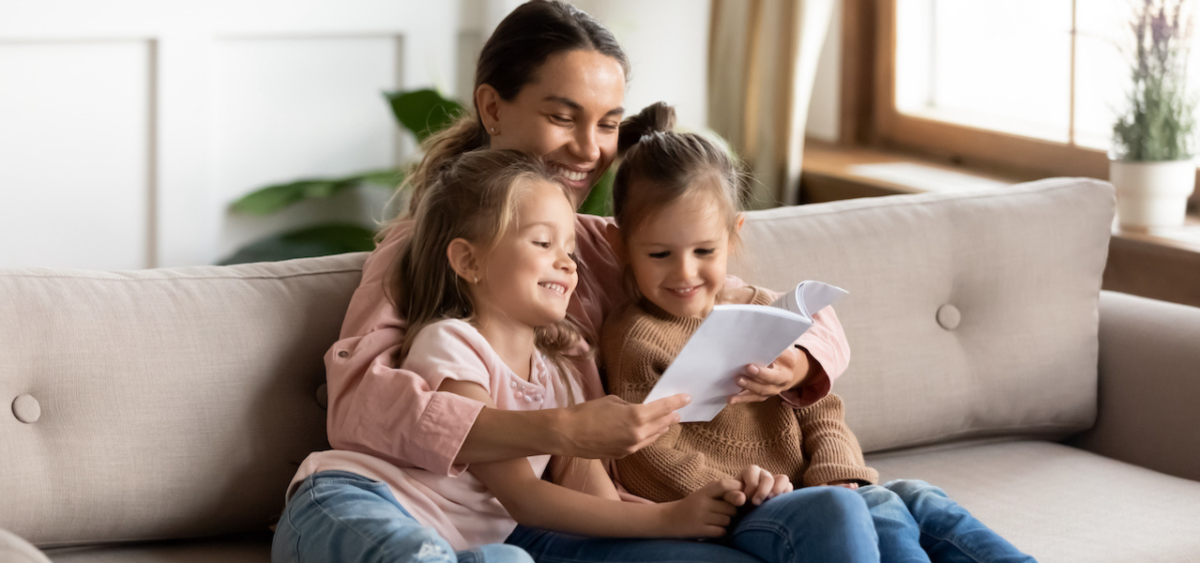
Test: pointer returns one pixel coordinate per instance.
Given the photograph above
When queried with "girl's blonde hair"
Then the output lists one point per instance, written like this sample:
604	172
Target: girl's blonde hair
509	60
473	197
660	166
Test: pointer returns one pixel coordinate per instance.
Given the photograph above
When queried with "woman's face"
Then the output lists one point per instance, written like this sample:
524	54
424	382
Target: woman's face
568	116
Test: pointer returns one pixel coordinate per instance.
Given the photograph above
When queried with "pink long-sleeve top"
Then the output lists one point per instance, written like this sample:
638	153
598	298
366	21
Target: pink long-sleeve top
399	417
460	508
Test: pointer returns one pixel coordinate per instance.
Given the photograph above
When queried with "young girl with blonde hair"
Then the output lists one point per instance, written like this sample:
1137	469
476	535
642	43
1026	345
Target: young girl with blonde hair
675	199
484	280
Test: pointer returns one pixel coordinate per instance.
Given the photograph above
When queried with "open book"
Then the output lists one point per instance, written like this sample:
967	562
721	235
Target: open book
736	335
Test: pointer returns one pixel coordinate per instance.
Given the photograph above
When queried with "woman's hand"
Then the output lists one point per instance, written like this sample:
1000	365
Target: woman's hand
760	383
611	428
703	514
758	484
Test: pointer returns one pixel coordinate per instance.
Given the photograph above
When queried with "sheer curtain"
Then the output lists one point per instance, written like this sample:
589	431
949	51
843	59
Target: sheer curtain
762	62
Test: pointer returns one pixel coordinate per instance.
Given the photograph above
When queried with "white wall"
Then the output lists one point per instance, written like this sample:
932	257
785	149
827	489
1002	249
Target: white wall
128	126
667	45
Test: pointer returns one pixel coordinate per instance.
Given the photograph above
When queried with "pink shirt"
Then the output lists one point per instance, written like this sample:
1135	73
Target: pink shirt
459	508
395	414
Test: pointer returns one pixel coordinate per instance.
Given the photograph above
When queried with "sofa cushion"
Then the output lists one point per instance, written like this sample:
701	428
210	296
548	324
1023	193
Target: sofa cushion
970	314
243	548
171	403
1060	504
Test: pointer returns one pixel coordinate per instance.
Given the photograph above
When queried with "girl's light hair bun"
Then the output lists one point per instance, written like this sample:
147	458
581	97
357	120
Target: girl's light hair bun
654	118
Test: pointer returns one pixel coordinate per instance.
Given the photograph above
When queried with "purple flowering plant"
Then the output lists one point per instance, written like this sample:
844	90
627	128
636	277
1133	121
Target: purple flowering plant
1158	123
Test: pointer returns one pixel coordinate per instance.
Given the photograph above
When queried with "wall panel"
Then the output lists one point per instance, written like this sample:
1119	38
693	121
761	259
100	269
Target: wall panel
75	153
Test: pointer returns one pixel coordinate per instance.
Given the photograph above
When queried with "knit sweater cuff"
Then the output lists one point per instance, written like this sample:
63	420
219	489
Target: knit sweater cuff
830	472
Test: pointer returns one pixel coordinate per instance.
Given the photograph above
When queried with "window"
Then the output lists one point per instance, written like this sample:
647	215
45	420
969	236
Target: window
1028	84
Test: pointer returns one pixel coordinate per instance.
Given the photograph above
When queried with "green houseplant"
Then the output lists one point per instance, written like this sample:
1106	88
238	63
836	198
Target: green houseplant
420	112
1151	164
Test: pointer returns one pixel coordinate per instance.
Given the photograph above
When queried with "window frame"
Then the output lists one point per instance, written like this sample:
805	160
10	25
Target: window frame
955	143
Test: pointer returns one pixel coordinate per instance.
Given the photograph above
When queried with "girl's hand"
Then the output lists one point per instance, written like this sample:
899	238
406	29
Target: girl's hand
703	514
758	484
843	483
760	383
612	428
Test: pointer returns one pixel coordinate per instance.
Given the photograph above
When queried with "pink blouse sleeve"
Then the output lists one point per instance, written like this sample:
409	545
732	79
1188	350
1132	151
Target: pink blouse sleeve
377	409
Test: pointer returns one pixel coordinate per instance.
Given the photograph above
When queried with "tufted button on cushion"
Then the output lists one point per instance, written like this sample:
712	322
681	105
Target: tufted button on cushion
323	396
948	316
26	409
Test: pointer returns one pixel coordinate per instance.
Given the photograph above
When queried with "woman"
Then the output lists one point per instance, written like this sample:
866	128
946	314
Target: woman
550	82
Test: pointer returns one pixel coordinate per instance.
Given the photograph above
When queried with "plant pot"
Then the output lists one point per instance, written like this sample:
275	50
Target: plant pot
1152	194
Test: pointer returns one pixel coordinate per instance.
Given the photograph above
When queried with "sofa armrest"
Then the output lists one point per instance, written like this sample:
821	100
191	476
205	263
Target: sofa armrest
16	550
1149	385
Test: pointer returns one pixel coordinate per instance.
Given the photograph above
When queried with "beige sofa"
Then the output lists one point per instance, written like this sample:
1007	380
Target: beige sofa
158	415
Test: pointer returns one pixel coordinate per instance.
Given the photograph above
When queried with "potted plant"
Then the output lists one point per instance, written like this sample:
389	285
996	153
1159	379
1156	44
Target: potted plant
1151	164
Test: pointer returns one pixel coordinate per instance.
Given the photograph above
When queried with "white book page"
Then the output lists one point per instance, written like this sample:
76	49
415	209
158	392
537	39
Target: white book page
730	338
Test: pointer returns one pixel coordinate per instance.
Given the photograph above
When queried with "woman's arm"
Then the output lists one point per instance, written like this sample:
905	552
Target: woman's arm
541	504
605	428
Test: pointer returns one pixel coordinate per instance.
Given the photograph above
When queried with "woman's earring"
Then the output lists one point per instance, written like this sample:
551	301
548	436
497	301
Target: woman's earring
476	279
492	129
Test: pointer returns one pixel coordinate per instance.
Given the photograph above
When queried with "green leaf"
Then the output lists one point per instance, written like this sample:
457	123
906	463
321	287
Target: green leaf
271	199
322	240
599	201
424	112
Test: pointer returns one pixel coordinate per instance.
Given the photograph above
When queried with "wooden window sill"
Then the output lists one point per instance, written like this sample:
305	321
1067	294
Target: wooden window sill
1161	264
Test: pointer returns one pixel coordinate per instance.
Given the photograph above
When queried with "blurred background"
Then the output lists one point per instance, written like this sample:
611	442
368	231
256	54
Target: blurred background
129	127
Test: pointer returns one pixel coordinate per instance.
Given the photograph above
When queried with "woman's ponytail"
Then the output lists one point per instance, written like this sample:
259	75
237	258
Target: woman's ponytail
654	118
464	135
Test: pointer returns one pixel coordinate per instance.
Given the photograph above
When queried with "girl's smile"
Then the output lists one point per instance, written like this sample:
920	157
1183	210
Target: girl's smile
530	274
679	256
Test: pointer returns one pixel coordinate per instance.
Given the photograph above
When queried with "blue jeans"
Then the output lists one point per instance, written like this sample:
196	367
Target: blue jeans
341	517
814	524
917	521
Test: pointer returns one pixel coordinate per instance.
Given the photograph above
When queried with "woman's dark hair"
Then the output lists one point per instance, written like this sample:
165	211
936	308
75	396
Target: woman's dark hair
509	60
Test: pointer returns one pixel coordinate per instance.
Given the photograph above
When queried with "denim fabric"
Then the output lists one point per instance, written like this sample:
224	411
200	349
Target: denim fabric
341	517
814	524
917	521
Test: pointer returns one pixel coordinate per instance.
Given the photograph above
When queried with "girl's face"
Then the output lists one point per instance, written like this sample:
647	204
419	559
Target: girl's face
568	116
679	256
530	274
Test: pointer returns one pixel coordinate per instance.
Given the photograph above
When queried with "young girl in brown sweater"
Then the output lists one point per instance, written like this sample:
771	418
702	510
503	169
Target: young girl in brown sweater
675	200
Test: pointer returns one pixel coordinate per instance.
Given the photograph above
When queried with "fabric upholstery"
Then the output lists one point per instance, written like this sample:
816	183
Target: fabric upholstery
244	548
173	402
1149	385
1021	266
16	550
1061	504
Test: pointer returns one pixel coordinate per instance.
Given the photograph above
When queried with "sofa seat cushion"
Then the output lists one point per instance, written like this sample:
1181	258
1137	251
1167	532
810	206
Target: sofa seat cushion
243	548
1061	504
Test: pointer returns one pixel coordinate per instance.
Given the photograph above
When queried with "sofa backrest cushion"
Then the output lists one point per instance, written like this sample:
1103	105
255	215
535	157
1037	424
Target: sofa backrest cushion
970	313
161	403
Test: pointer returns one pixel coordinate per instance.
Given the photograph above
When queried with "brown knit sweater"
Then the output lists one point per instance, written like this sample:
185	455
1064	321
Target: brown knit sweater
811	445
